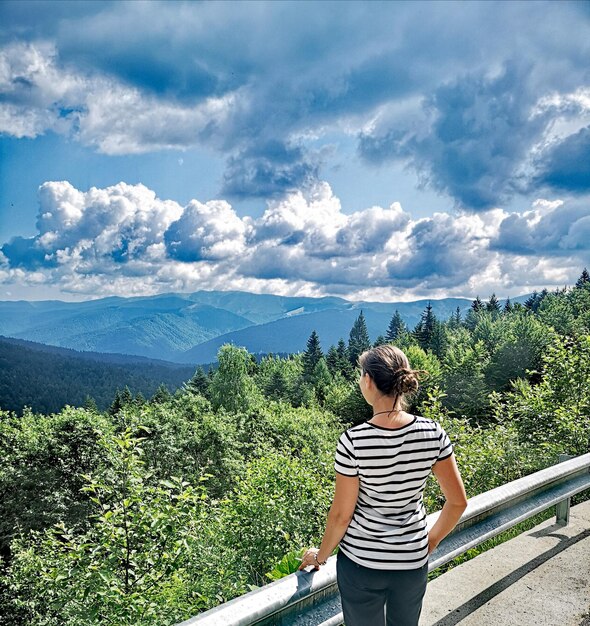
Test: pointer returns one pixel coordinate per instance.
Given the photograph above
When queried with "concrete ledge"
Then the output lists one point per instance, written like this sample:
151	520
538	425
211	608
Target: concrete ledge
540	578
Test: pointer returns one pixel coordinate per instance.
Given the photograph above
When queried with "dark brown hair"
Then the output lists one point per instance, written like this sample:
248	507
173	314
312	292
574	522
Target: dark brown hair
390	370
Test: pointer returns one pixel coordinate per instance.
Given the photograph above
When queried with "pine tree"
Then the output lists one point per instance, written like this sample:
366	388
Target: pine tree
358	340
342	351
126	396
396	328
455	320
343	365
493	306
252	365
508	306
199	382
312	355
424	330
477	305
120	401
332	360
530	302
116	405
380	341
583	280
533	302
473	315
90	404
321	379
161	396
438	341
277	387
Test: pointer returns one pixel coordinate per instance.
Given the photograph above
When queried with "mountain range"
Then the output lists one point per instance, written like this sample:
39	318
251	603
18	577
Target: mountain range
189	328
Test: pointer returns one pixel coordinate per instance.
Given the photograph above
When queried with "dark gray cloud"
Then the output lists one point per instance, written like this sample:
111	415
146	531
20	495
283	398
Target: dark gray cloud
477	131
268	169
294	264
24	253
441	251
566	167
368	231
258	81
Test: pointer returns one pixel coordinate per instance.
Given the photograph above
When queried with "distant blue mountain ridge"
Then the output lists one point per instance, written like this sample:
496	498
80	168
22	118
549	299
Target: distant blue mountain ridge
190	328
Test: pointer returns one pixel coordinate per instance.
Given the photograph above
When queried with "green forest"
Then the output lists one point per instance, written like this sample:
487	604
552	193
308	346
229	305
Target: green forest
45	378
152	511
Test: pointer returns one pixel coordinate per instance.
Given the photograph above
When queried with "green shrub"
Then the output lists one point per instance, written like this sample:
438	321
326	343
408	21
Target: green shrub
41	462
127	566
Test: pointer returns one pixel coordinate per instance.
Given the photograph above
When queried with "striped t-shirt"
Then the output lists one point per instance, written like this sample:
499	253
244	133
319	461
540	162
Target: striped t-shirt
388	528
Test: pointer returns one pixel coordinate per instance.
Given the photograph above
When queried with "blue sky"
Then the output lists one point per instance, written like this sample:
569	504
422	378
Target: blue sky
387	151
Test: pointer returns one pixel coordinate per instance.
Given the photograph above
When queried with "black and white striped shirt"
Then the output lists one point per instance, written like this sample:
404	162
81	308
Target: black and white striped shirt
388	528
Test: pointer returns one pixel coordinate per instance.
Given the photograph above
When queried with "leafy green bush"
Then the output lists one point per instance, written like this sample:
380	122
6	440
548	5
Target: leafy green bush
487	456
232	386
184	437
556	412
344	399
428	362
519	350
280	504
41	462
301	431
127	566
464	381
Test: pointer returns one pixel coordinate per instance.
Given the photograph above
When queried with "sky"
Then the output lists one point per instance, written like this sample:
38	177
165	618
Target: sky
384	151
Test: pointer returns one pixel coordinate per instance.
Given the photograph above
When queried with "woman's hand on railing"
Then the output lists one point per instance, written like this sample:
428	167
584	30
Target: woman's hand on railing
311	559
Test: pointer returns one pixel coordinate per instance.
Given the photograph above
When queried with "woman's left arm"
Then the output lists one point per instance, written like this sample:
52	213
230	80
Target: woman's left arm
341	512
448	477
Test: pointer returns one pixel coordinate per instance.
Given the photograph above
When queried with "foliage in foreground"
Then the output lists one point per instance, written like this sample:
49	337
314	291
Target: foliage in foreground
129	566
159	510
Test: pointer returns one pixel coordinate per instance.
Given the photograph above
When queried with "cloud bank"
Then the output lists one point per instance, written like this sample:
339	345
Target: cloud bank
482	101
125	240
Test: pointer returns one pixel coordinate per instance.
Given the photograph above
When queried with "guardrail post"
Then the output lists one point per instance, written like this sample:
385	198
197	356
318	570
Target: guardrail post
562	509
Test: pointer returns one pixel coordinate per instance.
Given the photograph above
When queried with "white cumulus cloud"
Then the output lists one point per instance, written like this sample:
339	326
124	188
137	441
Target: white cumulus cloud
39	93
206	232
125	240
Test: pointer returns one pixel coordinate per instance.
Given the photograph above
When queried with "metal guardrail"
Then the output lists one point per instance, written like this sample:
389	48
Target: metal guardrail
312	599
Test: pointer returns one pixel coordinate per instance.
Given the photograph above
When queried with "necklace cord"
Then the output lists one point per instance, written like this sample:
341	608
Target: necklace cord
392	410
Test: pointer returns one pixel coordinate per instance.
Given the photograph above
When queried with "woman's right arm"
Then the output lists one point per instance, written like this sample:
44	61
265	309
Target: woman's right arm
448	477
343	505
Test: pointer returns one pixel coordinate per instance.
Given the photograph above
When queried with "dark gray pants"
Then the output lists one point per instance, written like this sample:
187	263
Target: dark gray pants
380	597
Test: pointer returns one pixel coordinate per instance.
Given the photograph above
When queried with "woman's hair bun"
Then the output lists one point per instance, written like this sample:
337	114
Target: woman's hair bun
390	369
404	381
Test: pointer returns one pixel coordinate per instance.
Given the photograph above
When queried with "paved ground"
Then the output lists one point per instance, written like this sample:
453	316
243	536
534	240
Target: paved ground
540	578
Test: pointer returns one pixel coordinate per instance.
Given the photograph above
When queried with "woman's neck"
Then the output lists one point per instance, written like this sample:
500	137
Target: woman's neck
386	404
387	411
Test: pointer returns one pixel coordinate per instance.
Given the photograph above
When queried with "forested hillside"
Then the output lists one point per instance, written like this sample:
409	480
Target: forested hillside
154	511
45	378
